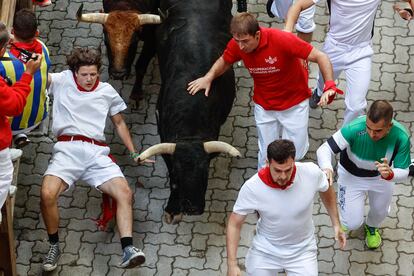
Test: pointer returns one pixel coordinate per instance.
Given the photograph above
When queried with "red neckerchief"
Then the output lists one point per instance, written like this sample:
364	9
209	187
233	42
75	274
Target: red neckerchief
35	47
80	88
267	179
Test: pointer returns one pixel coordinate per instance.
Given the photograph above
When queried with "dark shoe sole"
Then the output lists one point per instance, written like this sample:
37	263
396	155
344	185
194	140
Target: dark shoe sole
138	260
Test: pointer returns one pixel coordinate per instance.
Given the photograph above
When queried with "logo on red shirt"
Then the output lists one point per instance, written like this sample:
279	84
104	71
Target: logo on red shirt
271	60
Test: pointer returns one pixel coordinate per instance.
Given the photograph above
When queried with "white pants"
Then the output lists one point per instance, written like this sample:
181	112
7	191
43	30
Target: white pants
6	174
352	192
261	264
305	22
78	160
289	124
355	61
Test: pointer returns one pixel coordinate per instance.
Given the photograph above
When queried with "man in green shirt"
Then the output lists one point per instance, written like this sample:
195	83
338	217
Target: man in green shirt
374	154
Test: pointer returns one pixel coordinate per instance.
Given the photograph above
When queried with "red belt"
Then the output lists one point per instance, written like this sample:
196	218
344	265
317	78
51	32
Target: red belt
66	138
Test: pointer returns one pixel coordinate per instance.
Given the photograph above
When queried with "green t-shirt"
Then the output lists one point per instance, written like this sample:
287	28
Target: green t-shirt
362	152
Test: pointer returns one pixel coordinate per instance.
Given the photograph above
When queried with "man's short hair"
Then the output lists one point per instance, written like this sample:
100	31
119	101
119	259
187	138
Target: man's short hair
244	24
84	57
380	109
280	151
25	24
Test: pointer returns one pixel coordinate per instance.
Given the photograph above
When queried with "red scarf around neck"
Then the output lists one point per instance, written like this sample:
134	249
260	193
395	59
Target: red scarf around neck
34	47
80	88
267	179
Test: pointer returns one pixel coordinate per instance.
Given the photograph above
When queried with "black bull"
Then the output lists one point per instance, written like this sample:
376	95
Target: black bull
191	38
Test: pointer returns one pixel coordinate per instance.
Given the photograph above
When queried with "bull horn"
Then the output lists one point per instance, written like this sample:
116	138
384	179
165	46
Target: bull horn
163	148
218	146
91	17
149	19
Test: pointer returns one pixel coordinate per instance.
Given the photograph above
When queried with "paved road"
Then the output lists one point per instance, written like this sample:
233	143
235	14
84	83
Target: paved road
197	245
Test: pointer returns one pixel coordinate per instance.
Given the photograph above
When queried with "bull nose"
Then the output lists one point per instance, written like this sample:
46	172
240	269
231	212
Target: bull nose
118	74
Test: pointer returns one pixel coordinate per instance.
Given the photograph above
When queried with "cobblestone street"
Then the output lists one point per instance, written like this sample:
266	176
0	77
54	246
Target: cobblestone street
196	246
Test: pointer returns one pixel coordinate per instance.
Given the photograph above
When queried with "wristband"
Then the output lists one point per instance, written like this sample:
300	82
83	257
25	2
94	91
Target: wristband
330	84
389	177
133	155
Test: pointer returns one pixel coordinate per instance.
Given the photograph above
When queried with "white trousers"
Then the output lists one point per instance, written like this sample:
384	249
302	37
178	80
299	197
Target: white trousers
289	124
305	23
261	264
355	61
352	192
6	174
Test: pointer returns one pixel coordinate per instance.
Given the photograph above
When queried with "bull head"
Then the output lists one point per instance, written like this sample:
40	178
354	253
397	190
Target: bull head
121	38
188	166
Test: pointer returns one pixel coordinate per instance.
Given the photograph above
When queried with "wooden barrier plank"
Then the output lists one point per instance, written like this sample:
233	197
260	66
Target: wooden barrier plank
7	12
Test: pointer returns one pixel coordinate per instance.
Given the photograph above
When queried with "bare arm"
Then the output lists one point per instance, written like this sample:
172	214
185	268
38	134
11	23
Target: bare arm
294	11
123	131
329	201
232	242
218	68
405	12
325	67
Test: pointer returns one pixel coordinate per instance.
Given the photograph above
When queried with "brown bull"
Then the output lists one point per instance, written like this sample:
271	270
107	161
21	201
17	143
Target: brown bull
123	24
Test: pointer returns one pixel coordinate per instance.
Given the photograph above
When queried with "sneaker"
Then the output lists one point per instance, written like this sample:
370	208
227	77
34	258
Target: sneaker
132	257
314	99
21	140
372	237
52	257
269	8
411	168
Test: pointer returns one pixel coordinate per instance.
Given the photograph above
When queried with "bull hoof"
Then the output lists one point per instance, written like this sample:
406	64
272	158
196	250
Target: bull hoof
173	219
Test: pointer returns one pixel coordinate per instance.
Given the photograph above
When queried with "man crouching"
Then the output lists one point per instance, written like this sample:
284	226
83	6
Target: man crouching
80	108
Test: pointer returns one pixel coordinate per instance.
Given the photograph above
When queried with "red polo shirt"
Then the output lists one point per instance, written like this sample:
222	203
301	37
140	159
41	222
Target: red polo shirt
280	78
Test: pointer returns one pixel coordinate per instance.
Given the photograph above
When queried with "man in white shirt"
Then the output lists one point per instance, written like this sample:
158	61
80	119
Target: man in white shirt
348	45
282	194
305	25
80	108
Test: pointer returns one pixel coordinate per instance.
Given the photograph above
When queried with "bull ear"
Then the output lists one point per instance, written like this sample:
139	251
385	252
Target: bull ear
149	19
91	17
218	146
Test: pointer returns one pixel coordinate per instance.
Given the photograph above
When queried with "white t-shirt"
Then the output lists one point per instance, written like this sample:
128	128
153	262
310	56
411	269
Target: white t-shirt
285	227
351	21
82	113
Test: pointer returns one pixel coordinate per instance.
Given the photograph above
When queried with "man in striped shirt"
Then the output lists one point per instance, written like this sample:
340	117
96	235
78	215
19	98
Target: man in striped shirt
374	154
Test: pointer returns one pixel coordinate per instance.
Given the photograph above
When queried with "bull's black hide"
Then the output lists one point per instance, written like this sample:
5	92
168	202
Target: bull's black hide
192	36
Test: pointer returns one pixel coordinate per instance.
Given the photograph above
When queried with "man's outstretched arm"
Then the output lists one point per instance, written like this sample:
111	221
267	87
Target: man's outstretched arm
294	11
218	68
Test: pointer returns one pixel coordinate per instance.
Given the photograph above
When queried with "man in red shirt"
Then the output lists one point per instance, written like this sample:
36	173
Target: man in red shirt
12	102
281	94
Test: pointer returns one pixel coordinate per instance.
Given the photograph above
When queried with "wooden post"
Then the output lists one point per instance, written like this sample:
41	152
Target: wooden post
7	12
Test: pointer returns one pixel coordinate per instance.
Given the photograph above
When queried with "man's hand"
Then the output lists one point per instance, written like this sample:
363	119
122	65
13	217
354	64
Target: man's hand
340	236
33	64
383	168
199	84
329	175
326	97
233	269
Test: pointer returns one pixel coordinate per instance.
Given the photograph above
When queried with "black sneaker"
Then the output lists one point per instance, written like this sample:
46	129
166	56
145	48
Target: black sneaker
269	7
132	257
411	168
314	99
52	257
